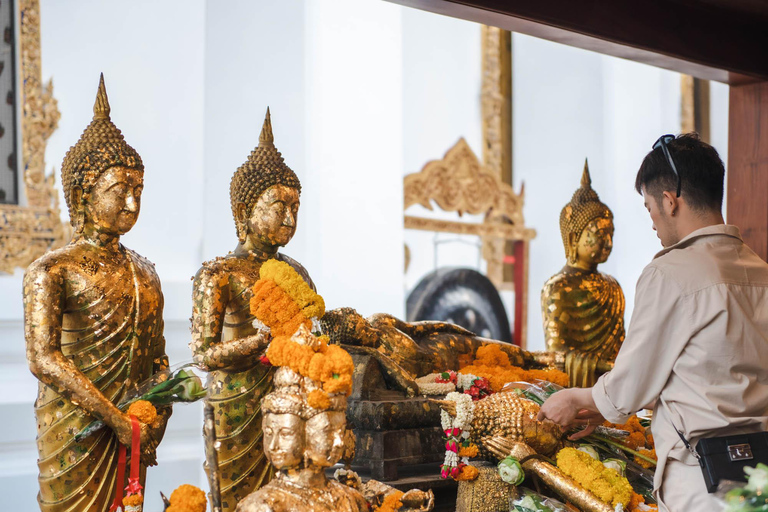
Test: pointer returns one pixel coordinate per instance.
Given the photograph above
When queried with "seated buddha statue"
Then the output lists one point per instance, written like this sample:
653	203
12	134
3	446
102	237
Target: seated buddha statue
93	320
582	308
264	194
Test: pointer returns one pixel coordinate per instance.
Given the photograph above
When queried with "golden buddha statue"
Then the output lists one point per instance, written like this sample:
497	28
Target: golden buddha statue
583	309
93	325
407	350
264	195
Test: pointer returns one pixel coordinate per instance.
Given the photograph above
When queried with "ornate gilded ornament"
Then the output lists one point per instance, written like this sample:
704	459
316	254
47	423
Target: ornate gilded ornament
26	232
93	326
264	194
583	309
461	183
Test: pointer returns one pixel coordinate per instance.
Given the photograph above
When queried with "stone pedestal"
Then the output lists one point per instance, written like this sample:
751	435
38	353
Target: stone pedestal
391	429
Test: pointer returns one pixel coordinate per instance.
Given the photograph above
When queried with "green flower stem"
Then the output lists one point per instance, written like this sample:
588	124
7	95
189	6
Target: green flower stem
623	448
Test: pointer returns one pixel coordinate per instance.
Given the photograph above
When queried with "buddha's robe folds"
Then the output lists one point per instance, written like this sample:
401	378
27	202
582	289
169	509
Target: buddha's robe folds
281	495
110	325
583	315
221	312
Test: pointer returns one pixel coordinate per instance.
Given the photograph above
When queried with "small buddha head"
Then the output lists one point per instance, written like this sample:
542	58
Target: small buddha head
586	225
102	176
283	427
264	193
325	438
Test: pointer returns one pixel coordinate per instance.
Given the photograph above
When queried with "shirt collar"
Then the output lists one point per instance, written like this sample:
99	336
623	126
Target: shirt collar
714	230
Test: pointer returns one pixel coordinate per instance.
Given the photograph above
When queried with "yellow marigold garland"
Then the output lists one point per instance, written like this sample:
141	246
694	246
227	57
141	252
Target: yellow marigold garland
311	304
493	364
605	483
187	498
391	502
144	411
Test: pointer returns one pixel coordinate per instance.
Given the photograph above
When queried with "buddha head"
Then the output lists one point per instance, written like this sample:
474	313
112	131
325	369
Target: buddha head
264	193
586	225
102	176
283	427
326	429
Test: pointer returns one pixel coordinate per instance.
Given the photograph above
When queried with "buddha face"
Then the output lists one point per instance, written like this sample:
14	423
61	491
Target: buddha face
325	438
594	245
283	439
112	206
272	222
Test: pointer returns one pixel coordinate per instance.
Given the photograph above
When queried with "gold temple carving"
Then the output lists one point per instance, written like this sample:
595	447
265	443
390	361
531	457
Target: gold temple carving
26	232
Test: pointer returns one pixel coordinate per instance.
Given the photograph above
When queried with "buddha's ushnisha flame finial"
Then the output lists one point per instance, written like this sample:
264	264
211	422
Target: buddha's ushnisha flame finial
585	205
267	138
101	106
264	168
586	179
100	147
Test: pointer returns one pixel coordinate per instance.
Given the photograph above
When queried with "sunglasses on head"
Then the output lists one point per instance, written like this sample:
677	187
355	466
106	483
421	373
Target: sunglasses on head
662	143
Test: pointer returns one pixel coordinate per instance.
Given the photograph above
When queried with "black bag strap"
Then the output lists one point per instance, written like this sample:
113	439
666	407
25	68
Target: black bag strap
679	433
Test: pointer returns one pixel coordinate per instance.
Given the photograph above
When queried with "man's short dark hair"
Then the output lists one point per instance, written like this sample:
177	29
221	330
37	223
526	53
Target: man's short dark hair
701	173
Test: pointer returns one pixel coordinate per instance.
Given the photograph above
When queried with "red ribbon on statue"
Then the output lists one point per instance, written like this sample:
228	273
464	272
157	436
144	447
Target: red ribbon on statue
134	485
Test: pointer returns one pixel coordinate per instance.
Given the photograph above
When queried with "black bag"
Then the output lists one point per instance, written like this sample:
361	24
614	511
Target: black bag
724	458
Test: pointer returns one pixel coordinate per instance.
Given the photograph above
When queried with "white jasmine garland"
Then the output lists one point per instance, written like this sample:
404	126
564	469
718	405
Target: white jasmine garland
464	381
462	422
429	386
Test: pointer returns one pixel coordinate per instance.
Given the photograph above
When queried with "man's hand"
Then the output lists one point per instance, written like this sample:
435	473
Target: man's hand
560	408
590	420
570	408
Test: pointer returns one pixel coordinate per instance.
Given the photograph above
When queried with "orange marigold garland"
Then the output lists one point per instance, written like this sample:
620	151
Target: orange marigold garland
144	411
133	503
391	502
187	498
330	365
311	303
493	364
467	473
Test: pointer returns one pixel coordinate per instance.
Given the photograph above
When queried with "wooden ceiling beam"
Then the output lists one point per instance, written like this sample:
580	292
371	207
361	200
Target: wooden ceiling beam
707	40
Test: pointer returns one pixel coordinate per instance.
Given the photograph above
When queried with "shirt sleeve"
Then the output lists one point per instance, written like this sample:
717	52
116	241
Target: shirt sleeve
660	328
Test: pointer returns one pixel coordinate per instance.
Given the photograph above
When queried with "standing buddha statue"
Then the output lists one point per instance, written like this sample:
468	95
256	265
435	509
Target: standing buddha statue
583	309
93	325
264	194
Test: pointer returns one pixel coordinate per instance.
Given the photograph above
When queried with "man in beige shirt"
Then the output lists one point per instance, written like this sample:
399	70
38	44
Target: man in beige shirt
697	346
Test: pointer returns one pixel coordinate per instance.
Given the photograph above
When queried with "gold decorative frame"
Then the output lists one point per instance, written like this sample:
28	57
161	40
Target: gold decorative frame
461	183
26	232
694	106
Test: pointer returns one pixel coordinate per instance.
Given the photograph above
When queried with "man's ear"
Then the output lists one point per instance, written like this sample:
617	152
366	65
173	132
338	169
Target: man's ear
670	203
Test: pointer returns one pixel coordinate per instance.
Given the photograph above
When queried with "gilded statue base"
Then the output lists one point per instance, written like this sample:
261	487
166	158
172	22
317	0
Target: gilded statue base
488	493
